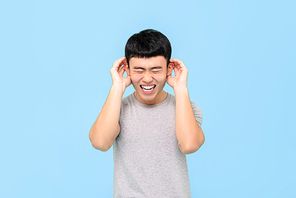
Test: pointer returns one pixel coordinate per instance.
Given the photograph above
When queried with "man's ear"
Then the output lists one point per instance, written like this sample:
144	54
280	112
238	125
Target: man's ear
126	68
170	69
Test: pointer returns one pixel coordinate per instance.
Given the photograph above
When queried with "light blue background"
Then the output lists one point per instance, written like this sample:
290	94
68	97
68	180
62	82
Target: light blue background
55	59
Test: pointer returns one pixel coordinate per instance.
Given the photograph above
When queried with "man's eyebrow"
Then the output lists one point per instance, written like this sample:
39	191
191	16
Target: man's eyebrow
136	67
157	67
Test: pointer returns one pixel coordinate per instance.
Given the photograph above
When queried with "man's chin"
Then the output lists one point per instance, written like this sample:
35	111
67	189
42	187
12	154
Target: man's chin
143	98
146	97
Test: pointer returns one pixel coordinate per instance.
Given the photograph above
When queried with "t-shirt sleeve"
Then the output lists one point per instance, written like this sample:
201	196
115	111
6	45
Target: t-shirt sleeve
197	113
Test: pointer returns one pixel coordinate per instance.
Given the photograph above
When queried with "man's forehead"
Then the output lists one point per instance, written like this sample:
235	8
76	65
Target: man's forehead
157	61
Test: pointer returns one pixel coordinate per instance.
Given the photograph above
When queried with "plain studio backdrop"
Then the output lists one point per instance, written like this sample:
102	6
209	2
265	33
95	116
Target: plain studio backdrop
56	57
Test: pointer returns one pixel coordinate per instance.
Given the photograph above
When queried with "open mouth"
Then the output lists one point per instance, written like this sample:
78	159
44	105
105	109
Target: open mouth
147	88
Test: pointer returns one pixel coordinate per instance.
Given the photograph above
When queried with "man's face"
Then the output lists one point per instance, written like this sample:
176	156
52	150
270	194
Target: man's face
148	76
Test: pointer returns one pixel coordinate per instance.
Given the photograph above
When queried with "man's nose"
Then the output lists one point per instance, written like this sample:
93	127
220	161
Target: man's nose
147	77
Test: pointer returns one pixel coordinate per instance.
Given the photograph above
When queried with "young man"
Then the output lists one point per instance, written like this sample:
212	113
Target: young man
151	130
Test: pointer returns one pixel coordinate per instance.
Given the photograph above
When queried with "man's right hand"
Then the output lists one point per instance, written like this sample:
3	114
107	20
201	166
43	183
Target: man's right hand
119	67
106	128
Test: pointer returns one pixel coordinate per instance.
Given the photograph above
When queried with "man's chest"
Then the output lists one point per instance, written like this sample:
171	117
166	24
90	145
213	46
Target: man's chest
148	128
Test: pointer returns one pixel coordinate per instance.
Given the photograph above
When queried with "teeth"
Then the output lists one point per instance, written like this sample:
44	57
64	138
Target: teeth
147	88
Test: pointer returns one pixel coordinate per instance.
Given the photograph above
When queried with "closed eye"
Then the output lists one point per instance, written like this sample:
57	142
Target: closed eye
139	71
156	70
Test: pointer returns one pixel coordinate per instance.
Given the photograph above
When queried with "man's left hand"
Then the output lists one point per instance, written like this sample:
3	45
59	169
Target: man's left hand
181	73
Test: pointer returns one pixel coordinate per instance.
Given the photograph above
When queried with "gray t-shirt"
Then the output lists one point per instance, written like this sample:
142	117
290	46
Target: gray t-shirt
147	159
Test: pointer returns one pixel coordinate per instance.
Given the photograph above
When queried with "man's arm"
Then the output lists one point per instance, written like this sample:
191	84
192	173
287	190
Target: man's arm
189	135
106	128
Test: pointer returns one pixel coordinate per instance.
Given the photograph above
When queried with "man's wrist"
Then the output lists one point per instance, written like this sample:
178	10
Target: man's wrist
118	87
180	89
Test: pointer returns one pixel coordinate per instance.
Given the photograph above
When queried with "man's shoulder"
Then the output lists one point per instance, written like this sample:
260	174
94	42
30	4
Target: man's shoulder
127	100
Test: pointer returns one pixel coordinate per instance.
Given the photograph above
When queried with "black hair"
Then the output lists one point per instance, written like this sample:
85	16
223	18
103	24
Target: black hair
146	44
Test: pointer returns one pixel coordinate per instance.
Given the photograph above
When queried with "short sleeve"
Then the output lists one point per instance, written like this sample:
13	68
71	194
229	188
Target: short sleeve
197	113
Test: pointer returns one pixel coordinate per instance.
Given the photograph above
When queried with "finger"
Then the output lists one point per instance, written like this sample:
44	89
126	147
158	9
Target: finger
177	62
177	72
118	63
123	63
122	70
119	70
175	66
174	60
